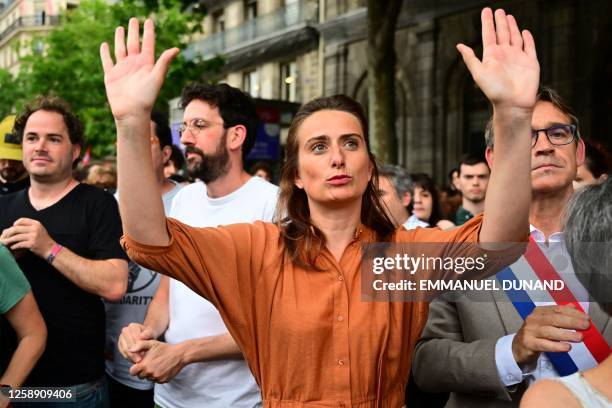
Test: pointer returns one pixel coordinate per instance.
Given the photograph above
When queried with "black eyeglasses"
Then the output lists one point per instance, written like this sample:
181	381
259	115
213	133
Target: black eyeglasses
558	135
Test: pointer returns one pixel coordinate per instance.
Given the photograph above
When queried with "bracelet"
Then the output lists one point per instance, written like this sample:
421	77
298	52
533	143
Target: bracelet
54	251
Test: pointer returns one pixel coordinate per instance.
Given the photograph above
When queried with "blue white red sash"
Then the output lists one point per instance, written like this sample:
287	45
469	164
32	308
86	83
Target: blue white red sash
534	265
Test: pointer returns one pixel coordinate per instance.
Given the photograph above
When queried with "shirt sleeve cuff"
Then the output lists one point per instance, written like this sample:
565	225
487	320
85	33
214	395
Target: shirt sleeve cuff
508	370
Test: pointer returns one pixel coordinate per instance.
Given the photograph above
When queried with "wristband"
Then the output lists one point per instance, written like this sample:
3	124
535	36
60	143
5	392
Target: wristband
54	251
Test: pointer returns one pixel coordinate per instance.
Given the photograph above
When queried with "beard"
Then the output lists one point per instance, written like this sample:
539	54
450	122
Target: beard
212	166
13	173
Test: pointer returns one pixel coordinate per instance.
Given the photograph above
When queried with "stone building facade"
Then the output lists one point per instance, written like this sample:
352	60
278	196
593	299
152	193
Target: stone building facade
21	21
295	50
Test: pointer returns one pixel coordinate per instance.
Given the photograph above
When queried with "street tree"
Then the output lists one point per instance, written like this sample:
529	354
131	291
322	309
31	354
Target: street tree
382	21
66	62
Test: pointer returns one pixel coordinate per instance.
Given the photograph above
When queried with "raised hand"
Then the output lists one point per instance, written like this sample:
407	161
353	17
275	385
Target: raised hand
509	73
133	82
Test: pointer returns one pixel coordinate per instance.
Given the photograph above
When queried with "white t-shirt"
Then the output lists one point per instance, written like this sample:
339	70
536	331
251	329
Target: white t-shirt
227	383
142	285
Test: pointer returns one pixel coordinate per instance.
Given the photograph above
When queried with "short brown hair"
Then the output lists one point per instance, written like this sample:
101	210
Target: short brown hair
545	94
52	104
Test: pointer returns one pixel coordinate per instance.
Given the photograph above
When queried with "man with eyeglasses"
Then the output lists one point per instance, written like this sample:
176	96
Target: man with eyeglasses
490	353
13	175
199	364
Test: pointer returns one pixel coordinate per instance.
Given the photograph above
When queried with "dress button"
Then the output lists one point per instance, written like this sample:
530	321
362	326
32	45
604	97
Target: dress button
340	362
340	277
340	318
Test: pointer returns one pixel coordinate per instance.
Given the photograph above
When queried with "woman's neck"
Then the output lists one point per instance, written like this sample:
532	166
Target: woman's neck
338	224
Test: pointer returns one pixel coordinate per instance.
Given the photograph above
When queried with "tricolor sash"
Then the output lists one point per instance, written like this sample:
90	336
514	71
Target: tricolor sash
535	265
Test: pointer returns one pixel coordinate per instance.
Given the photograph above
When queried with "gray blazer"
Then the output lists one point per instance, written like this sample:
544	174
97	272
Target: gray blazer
456	352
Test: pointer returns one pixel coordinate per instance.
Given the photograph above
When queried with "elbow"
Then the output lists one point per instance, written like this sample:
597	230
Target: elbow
116	286
41	343
36	339
115	291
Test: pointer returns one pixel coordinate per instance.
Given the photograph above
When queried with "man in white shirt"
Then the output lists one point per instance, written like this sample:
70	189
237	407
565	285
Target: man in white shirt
199	364
490	354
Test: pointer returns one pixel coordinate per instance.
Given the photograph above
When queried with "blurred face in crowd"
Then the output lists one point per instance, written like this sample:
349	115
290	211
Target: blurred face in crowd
159	156
473	181
552	167
584	177
11	170
333	162
101	177
392	201
423	204
170	169
263	174
48	153
205	131
455	180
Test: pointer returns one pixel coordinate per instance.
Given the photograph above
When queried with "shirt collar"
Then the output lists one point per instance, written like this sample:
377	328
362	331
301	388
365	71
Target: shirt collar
538	236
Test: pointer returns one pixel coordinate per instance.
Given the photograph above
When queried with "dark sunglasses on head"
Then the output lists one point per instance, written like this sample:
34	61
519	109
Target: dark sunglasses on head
11	138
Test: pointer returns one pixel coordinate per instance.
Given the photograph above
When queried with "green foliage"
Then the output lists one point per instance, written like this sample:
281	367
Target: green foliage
70	64
10	95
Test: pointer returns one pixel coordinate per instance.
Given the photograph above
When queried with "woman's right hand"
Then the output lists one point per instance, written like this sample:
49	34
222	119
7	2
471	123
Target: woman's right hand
134	80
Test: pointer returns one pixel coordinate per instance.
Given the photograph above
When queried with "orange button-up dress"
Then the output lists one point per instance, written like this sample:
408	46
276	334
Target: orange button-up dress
306	335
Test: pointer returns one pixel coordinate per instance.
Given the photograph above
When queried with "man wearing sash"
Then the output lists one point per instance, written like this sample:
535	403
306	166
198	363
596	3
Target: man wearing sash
485	353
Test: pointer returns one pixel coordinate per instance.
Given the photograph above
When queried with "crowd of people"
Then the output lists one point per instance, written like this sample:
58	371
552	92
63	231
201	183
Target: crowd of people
176	278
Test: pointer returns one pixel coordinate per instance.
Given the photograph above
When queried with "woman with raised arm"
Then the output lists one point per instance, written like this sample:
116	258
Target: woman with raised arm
289	292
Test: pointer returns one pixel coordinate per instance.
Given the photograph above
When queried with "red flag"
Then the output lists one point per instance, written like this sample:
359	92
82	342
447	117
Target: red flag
86	157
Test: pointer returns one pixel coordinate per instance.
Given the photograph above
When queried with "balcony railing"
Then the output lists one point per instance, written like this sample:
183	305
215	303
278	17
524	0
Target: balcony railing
39	20
300	12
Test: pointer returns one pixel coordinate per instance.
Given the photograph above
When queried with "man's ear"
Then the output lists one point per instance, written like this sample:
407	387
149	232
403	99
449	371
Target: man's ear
76	152
406	199
166	154
236	137
580	152
489	157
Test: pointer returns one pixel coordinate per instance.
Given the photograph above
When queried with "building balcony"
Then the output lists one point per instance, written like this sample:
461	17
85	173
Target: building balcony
29	22
280	31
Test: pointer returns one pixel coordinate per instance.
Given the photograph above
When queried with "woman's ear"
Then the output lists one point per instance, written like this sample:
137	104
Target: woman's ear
298	182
